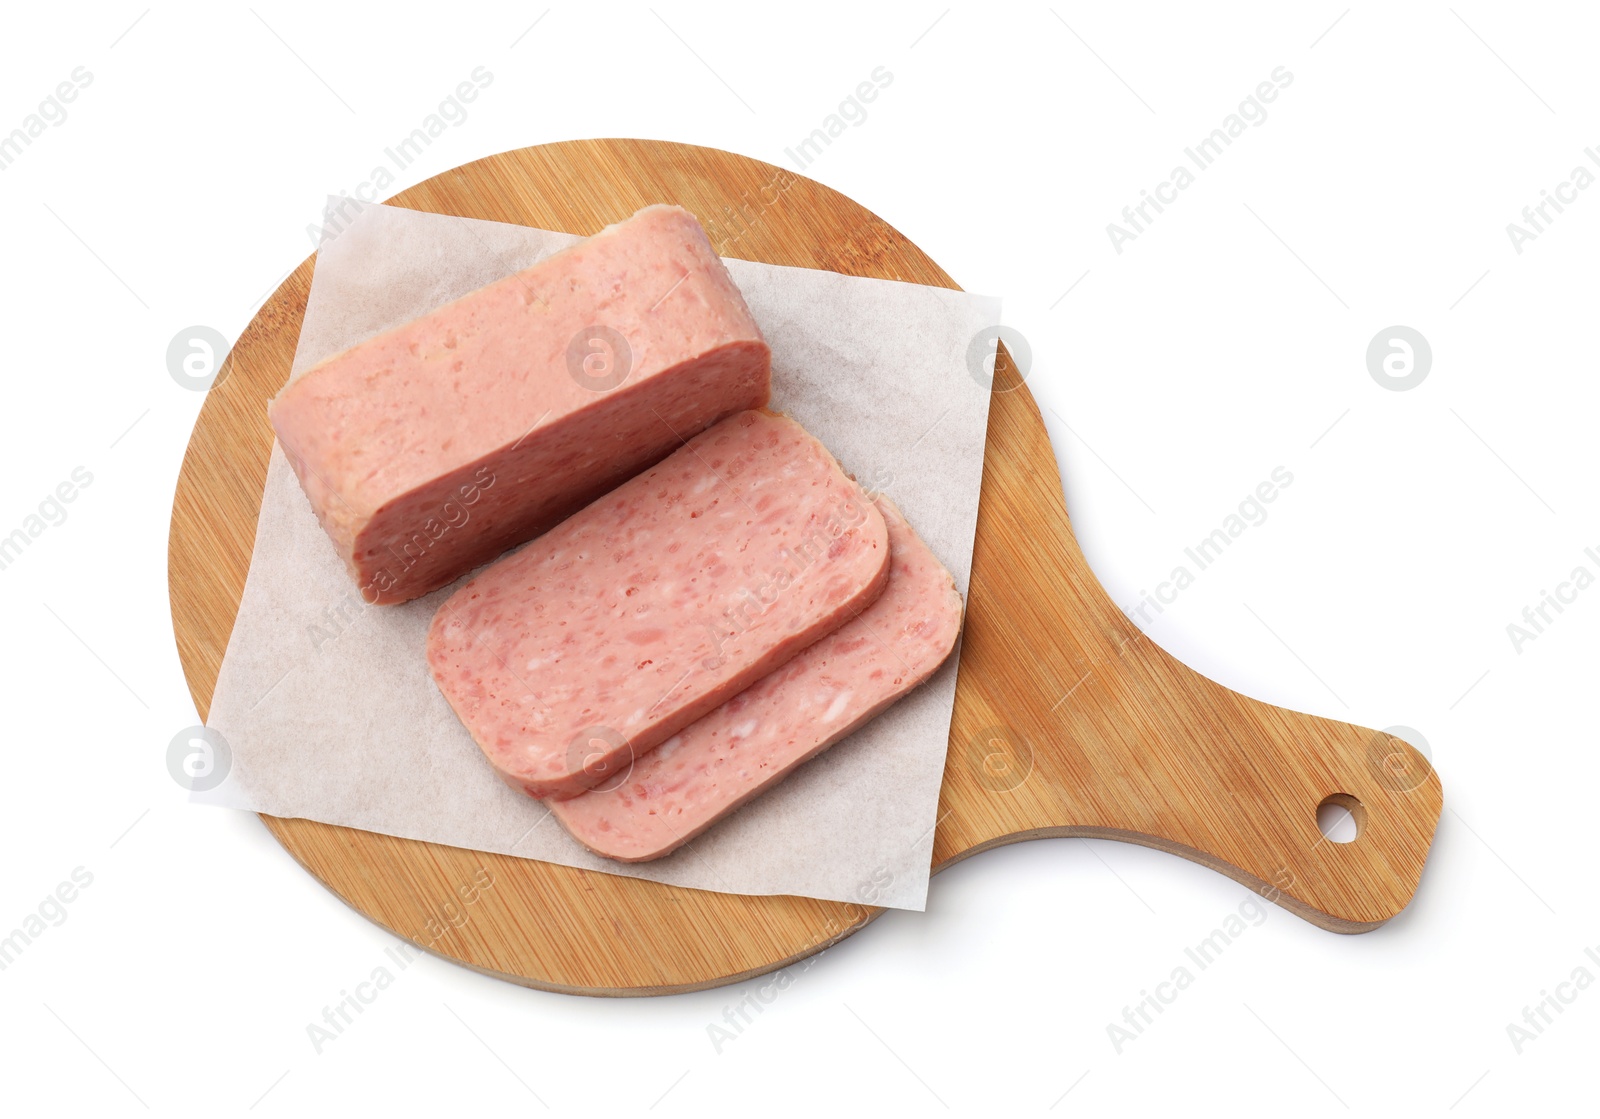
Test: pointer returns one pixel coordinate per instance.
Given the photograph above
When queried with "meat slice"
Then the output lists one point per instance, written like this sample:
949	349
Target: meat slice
435	446
657	604
755	739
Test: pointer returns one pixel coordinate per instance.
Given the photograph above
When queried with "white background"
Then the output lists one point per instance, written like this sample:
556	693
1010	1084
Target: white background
1228	339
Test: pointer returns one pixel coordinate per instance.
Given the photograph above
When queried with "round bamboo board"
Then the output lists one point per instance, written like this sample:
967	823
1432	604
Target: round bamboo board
1068	722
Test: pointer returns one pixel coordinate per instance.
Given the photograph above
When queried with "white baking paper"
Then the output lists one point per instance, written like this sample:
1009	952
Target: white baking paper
326	702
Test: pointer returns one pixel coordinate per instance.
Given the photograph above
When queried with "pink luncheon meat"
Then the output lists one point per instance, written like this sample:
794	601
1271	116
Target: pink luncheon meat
658	603
435	446
754	740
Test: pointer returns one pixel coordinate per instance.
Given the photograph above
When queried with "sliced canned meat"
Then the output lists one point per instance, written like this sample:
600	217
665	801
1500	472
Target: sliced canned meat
657	603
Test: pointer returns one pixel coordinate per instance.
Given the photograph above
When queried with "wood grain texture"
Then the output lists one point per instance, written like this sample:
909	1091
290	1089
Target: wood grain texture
1068	722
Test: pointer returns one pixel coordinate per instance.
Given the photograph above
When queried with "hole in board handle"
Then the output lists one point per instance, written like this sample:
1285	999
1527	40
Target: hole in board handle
1341	818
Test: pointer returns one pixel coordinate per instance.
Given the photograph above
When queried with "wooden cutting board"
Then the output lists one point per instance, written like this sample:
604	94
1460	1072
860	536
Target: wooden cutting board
1068	722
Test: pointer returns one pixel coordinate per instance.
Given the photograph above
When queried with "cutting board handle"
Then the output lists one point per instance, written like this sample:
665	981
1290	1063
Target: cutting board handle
1070	722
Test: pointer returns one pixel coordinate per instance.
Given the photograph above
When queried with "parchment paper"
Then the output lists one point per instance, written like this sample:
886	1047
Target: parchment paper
326	702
